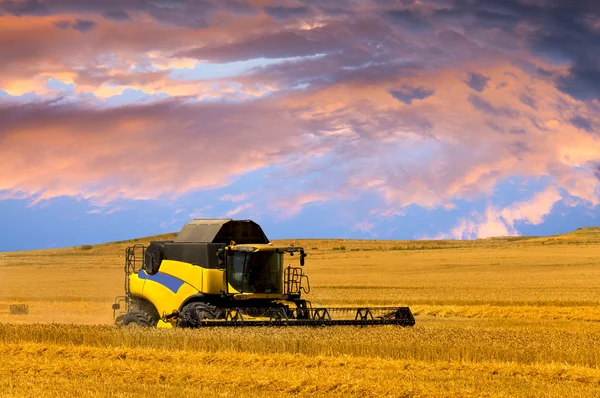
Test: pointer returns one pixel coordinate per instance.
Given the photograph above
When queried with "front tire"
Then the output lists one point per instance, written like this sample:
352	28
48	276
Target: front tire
136	318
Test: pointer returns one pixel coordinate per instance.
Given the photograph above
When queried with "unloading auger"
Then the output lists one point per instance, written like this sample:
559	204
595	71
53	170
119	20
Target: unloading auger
224	272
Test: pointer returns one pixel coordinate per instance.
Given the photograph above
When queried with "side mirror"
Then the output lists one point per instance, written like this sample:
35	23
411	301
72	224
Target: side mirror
116	306
221	256
302	255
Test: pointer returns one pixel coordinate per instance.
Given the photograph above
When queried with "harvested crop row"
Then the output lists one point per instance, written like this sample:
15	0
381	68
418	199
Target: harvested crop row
419	343
36	369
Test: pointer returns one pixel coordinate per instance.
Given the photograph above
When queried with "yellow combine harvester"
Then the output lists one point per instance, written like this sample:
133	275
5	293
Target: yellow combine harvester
225	272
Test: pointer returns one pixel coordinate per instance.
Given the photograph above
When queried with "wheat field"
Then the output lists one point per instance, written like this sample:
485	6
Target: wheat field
506	317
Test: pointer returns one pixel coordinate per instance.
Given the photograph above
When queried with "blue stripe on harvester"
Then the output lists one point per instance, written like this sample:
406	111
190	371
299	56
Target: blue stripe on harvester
168	281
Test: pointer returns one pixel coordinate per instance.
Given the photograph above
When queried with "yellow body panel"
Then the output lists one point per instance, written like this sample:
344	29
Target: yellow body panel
272	296
213	281
174	283
136	285
166	297
231	289
191	274
164	325
163	298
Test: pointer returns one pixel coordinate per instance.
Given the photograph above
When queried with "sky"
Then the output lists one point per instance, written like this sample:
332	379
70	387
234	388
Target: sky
377	119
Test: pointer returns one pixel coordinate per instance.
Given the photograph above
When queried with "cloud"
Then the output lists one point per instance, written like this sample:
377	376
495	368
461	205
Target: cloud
324	99
116	15
240	209
486	107
408	94
27	7
283	44
409	20
293	204
62	24
487	225
477	81
580	83
582	123
234	198
528	100
285	13
83	26
532	211
363	226
501	222
80	25
101	153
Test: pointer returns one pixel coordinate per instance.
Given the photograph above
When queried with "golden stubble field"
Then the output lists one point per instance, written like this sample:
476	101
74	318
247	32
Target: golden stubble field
496	317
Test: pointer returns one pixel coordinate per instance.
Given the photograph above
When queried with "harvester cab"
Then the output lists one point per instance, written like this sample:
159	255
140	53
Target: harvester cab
225	272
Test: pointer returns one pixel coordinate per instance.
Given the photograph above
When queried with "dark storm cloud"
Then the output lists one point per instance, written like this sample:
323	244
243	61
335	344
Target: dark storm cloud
477	81
408	94
517	131
190	14
494	127
597	171
409	20
194	15
99	76
80	25
504	15
519	148
29	7
62	24
567	35
285	13
486	107
276	45
365	60
561	31
239	7
116	15
528	100
582	123
84	26
582	84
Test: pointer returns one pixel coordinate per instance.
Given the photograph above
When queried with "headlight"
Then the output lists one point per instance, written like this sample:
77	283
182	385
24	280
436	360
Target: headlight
246	248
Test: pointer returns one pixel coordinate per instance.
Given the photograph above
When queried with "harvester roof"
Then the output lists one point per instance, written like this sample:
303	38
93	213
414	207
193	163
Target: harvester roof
221	231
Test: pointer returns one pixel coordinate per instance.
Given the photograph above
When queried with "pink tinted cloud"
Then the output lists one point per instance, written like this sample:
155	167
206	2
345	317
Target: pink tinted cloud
363	226
136	152
291	204
419	104
501	222
419	154
234	198
239	209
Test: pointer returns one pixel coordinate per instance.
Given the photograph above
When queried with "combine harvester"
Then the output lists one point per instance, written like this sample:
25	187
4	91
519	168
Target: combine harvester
227	273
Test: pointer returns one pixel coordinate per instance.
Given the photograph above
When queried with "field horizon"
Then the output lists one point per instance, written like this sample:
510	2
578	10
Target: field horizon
171	235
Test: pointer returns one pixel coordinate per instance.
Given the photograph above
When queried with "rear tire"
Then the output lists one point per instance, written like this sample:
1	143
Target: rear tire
136	318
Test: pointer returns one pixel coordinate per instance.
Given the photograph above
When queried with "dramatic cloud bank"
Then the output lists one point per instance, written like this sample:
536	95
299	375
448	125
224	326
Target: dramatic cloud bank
423	103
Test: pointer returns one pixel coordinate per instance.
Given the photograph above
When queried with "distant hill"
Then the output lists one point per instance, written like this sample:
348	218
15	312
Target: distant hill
581	236
587	235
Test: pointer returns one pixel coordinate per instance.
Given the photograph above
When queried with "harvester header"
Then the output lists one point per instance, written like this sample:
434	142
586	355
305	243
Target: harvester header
223	272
